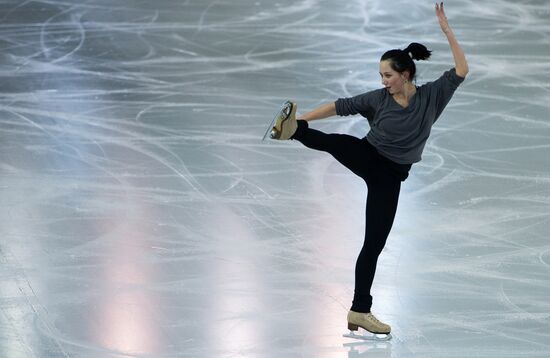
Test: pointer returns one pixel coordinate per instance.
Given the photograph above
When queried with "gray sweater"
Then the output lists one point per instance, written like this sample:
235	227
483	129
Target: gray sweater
398	133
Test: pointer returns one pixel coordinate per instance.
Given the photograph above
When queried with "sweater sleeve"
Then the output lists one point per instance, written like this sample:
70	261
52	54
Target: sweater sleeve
364	104
444	88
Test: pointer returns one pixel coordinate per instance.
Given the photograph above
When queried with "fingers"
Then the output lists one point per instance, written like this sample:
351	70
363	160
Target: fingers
439	10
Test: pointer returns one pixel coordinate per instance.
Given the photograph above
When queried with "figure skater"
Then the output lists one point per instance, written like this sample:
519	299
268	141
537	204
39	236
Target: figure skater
400	116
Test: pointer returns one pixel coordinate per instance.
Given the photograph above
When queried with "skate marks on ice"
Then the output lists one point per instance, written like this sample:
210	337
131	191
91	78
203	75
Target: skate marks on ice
136	198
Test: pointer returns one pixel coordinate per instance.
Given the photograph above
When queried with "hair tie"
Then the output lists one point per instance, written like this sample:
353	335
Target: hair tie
410	54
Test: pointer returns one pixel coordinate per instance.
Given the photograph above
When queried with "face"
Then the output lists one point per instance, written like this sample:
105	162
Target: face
391	79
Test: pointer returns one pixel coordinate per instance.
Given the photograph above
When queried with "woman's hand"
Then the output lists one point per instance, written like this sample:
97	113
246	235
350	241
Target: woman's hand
440	12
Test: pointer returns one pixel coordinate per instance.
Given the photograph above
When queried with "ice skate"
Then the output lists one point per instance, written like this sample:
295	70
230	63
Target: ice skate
375	330
284	125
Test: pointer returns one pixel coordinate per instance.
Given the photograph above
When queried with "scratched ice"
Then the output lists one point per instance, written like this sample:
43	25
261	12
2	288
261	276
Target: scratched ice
141	216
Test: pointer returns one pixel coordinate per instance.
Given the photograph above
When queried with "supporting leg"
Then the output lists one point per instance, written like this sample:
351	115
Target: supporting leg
383	195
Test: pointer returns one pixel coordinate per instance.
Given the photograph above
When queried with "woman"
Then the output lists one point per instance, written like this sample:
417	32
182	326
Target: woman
400	117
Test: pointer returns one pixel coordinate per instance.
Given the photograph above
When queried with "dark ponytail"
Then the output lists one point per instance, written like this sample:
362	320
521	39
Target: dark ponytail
402	60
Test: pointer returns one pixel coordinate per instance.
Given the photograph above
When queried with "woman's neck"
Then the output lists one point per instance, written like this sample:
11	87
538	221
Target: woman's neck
408	91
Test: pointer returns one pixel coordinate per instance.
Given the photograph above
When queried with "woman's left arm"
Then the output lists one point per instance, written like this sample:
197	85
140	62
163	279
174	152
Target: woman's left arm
461	65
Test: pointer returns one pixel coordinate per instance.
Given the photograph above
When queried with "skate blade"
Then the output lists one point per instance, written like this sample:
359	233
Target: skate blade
285	110
372	337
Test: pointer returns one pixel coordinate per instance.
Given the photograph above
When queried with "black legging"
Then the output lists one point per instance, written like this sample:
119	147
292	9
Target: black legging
383	178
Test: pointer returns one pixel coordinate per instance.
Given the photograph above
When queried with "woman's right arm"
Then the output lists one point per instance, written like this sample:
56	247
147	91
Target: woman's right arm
323	111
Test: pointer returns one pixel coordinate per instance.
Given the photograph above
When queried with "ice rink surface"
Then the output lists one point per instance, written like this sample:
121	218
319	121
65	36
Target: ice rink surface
142	216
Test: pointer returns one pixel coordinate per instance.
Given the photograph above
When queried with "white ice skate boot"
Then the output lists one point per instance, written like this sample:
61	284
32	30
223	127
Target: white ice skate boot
284	124
367	321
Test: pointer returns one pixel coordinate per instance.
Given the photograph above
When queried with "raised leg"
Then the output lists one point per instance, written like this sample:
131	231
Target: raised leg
352	152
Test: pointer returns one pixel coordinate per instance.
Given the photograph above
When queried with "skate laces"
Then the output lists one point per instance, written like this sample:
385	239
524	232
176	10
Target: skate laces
371	318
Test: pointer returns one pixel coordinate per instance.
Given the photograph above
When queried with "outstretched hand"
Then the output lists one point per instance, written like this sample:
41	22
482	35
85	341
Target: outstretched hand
440	12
